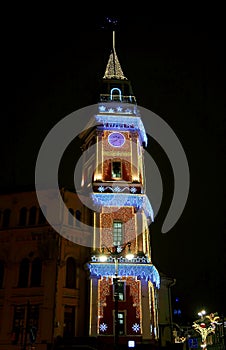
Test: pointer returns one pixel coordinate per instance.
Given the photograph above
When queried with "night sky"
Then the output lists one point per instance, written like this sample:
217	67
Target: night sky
52	66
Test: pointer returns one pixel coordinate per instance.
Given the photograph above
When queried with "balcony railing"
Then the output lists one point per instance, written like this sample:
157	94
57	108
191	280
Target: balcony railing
117	98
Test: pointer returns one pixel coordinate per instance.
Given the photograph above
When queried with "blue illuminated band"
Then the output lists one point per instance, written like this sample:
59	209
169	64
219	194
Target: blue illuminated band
112	122
139	201
145	271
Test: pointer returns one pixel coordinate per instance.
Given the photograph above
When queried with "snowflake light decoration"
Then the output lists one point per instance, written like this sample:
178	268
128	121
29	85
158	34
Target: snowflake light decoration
103	327
101	188
136	327
133	190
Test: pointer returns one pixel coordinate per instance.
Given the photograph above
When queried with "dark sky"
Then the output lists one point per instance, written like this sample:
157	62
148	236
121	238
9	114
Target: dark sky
52	65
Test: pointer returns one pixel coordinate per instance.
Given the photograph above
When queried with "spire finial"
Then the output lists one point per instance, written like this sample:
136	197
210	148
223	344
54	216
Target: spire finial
113	69
113	39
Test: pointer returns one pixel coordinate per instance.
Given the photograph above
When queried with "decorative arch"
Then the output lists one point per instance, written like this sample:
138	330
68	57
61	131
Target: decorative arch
119	94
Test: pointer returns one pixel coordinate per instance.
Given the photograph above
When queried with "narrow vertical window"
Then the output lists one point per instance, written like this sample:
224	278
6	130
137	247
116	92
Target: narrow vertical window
117	233
121	323
121	291
33	321
36	272
70	273
23	216
116	170
23	273
18	324
32	216
78	218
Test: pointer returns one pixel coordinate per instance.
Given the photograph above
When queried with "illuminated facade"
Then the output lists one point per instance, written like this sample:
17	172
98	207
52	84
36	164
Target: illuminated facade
64	289
43	285
115	170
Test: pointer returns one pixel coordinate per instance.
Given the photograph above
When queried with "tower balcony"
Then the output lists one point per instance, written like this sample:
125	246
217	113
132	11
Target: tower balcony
117	97
116	116
138	266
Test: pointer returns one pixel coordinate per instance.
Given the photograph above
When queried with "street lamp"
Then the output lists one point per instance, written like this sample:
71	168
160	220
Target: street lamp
103	258
202	313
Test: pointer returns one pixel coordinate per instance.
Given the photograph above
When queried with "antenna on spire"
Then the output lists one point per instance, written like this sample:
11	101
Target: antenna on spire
113	39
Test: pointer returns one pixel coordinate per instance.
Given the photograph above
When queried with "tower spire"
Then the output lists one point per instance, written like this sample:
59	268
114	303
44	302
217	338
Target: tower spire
113	69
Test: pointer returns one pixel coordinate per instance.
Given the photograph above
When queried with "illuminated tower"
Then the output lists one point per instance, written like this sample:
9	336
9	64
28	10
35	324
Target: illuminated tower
123	289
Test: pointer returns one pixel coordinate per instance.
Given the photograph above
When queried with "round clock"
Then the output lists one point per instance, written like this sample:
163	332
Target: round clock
116	139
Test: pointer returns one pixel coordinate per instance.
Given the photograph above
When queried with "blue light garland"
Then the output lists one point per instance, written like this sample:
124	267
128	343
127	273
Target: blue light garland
146	271
140	201
123	122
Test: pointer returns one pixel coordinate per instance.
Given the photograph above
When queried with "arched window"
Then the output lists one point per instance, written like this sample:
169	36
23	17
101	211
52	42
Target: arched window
78	218
116	169
41	216
36	273
6	218
23	216
32	216
2	266
70	273
23	273
71	217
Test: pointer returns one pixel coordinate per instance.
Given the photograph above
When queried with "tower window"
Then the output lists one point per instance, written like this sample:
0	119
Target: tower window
121	291
117	233
121	323
116	171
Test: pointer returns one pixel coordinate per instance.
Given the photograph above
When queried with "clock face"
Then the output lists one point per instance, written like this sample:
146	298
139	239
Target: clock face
116	139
